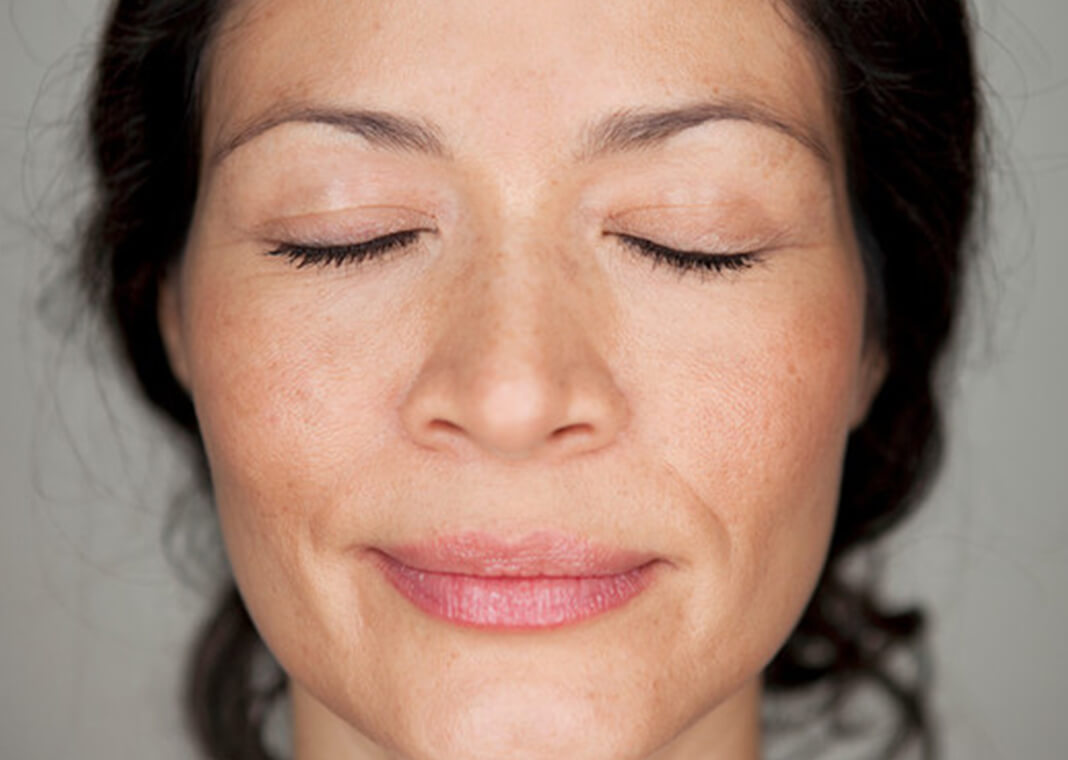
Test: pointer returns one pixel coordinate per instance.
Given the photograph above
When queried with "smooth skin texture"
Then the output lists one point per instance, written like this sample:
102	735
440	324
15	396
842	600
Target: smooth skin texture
518	365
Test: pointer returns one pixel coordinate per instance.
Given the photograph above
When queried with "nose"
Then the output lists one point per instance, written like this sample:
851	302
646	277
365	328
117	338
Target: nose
513	371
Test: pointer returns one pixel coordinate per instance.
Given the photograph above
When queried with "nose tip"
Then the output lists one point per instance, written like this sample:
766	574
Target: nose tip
535	408
513	416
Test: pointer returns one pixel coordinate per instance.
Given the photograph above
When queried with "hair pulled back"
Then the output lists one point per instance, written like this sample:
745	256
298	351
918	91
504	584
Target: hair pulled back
904	86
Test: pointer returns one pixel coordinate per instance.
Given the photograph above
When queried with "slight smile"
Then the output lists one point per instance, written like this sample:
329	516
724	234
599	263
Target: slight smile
545	580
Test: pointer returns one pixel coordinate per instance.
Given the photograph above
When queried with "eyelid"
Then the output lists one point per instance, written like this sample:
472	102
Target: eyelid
692	232
346	226
650	244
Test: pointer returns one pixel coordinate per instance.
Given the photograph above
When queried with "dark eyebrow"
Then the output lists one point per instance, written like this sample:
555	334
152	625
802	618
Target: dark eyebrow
624	130
379	128
633	129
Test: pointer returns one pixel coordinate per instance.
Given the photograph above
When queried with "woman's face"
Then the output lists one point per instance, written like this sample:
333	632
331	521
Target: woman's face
520	479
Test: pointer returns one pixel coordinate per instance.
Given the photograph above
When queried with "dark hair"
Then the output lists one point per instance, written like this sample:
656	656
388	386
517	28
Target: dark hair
907	105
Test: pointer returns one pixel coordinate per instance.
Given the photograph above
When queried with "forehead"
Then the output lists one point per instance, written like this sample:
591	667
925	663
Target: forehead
512	71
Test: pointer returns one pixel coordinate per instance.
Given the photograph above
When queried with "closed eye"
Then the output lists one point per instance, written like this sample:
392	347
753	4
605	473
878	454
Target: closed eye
689	260
303	255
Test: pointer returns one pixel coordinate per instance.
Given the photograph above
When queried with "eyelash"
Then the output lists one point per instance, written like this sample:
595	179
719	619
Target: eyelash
685	261
689	261
316	255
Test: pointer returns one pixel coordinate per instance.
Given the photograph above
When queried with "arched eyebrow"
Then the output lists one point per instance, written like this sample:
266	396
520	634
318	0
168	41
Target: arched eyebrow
634	129
379	128
622	131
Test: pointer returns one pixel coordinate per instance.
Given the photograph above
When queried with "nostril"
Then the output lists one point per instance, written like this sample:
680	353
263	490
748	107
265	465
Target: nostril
444	426
576	431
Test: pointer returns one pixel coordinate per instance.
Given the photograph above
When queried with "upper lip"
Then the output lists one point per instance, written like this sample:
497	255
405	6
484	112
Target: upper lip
538	554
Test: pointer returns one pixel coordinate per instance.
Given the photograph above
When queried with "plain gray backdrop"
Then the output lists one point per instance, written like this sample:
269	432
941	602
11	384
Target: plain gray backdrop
94	621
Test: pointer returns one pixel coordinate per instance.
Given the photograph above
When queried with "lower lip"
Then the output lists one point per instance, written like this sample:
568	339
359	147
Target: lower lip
510	602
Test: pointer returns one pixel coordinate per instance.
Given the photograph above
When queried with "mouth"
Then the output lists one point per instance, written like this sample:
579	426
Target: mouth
546	580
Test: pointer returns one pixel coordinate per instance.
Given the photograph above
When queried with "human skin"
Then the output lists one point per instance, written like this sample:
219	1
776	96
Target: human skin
520	367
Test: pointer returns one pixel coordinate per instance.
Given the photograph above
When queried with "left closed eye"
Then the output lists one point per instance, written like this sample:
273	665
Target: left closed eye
688	260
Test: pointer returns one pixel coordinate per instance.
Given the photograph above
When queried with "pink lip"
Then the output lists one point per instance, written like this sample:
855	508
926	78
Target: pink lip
544	580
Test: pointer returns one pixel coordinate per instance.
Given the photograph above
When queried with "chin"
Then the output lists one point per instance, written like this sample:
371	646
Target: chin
531	722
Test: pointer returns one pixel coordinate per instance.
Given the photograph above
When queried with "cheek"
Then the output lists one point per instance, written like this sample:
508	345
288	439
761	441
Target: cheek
287	368
780	453
266	395
292	385
748	401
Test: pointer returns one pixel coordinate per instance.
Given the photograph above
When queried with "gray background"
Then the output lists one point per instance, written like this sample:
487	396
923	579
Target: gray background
93	621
